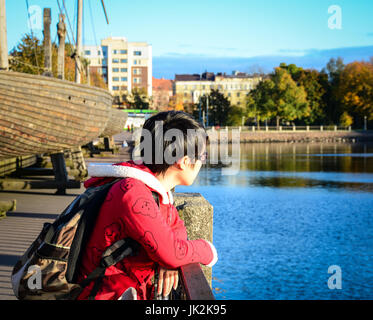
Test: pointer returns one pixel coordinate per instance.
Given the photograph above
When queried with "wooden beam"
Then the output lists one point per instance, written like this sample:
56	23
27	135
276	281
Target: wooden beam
195	284
78	66
47	42
3	38
60	172
61	32
19	184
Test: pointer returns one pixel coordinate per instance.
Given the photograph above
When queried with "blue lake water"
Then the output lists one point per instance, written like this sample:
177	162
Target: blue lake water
291	212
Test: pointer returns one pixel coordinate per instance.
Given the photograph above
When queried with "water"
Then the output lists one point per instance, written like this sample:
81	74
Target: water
292	211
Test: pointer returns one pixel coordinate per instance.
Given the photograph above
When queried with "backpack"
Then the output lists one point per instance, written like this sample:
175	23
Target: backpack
49	268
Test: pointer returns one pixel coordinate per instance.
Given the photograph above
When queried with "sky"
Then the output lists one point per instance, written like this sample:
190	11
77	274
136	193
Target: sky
221	35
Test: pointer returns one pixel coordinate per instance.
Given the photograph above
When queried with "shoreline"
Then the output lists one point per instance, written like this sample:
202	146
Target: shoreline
299	137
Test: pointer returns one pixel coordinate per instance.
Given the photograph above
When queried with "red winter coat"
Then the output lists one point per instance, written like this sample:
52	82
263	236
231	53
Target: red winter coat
130	210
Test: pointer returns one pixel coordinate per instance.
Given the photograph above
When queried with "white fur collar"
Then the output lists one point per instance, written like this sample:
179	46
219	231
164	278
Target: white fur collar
117	171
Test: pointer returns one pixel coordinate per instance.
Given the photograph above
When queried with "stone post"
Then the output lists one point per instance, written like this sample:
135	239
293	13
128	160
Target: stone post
198	218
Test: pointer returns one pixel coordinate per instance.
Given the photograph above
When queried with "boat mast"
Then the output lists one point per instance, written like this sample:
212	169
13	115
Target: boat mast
3	38
78	67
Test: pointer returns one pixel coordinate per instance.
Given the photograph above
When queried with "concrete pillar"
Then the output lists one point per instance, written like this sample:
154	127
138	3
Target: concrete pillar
198	218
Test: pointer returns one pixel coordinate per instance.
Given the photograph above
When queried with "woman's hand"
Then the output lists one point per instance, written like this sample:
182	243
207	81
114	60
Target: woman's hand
167	280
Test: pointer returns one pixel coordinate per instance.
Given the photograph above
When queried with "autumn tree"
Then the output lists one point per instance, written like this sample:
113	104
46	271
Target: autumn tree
355	90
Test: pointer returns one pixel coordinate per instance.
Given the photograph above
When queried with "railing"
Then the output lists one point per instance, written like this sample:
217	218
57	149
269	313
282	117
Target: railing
283	128
194	283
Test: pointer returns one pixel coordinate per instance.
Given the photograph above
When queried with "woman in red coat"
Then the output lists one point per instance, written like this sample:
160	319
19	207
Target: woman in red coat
131	211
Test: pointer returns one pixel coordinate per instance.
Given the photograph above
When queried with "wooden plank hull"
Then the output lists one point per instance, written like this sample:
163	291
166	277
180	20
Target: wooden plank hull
44	115
117	121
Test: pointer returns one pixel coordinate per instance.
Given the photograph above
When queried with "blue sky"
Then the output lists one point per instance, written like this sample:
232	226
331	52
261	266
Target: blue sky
190	36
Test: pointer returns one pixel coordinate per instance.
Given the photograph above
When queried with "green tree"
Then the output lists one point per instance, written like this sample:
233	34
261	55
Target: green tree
219	107
333	70
27	56
312	82
260	104
235	116
280	97
138	99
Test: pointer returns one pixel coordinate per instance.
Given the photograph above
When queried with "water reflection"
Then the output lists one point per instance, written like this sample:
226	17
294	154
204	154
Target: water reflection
348	166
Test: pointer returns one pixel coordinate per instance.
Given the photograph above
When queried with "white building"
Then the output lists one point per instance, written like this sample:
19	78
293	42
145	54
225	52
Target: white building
124	65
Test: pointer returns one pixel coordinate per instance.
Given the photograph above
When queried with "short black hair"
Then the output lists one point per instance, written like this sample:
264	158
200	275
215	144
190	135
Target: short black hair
190	140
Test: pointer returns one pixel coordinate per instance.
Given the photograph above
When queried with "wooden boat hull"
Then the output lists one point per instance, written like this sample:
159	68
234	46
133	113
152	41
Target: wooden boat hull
117	121
45	115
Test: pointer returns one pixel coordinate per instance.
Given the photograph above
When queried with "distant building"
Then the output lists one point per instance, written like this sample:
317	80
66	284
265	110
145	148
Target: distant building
124	65
188	88
162	93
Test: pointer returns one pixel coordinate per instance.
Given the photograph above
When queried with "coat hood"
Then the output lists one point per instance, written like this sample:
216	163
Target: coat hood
104	173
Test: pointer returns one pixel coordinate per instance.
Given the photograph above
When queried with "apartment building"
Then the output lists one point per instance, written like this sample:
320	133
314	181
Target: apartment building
124	65
188	88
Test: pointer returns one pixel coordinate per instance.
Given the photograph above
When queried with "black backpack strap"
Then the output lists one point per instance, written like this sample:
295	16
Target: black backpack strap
111	256
156	197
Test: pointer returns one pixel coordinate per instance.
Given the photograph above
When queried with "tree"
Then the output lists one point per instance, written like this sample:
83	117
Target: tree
312	82
235	116
97	80
280	97
333	110
138	99
260	104
355	90
28	57
218	107
290	100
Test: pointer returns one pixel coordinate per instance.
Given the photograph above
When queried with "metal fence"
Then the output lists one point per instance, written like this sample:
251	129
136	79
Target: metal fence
283	128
